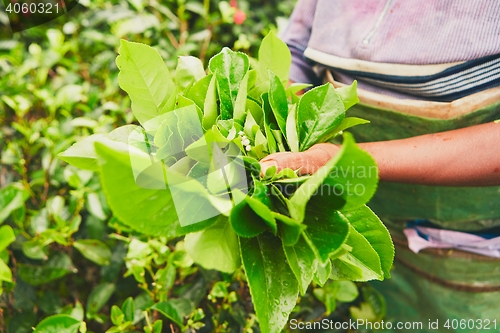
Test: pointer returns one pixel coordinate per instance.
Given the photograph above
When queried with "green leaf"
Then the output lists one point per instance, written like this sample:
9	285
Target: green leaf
5	273
241	101
275	56
373	308
198	91
256	110
98	297
347	291
273	286
146	79
210	111
175	309
345	269
295	87
189	71
219	290
326	231
58	265
36	248
251	127
82	154
245	222
302	261
59	323
327	298
6	236
182	102
11	198
261	208
347	181
132	203
94	250
94	206
117	315
158	326
323	272
77	311
349	95
362	256
269	123
178	130
278	102
270	173
215	247
290	229
292	136
350	122
375	232
376	301
353	179
166	277
229	68
320	111
128	308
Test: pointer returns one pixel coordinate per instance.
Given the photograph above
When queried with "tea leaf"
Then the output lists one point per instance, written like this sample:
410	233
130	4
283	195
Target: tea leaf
278	102
275	56
349	95
302	261
56	267
375	232
132	203
175	309
145	77
210	112
320	111
215	247
362	256
59	323
326	231
7	236
11	198
273	286
94	250
189	71
229	69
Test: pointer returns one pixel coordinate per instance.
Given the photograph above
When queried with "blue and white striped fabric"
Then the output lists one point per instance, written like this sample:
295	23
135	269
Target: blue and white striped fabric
449	84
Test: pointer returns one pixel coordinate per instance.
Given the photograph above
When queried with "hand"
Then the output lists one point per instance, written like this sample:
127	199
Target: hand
307	162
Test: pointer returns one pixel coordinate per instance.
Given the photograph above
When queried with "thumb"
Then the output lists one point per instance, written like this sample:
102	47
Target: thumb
295	161
307	162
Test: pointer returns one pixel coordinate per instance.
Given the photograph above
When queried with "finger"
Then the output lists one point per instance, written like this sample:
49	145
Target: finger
281	161
264	165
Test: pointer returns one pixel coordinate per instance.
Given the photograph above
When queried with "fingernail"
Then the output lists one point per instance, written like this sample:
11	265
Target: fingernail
264	165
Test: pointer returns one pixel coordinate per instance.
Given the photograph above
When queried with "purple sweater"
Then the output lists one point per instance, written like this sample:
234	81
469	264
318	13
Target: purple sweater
409	32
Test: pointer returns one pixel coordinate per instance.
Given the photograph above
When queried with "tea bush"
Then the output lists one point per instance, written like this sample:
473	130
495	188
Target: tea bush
65	260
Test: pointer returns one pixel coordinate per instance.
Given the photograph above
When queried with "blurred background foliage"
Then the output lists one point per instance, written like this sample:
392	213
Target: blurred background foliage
68	265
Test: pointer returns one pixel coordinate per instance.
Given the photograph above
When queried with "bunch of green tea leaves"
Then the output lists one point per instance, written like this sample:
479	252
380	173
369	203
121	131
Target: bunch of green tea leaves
192	169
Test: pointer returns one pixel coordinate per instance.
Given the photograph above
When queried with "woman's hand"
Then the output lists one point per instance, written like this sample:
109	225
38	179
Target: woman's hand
464	157
307	162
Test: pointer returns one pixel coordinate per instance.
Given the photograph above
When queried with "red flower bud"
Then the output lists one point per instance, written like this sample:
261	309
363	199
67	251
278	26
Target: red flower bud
239	17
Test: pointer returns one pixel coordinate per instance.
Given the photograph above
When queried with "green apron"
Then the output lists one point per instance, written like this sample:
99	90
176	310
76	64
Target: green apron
435	284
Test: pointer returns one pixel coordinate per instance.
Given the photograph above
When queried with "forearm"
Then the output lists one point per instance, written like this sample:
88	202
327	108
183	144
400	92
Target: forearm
463	157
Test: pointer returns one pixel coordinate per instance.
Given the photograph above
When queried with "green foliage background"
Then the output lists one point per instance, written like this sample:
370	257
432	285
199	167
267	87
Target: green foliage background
71	261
